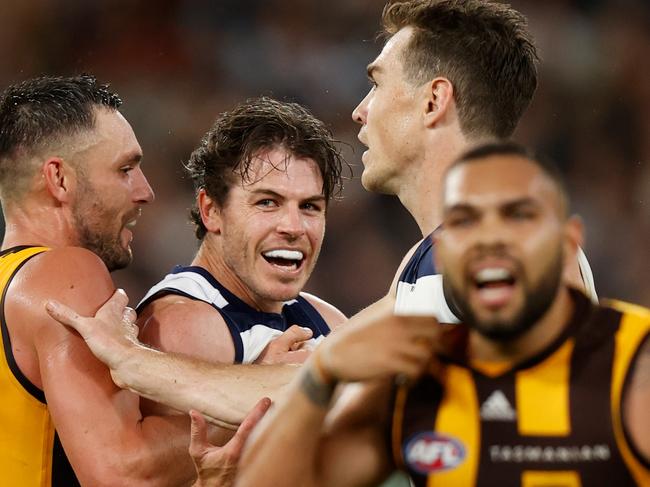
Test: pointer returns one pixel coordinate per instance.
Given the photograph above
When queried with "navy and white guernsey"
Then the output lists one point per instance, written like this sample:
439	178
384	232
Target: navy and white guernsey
251	330
420	291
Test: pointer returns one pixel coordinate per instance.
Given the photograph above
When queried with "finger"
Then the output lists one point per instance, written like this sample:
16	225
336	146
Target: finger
294	334
237	442
63	314
129	315
198	434
297	357
116	304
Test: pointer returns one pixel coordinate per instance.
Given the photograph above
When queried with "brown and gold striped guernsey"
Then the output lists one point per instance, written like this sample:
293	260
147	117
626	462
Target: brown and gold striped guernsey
553	421
31	454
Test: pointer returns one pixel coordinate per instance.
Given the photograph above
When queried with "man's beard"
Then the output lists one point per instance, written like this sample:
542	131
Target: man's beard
107	247
94	224
537	300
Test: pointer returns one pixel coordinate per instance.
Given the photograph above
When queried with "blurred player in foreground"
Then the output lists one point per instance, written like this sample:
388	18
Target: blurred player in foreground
545	388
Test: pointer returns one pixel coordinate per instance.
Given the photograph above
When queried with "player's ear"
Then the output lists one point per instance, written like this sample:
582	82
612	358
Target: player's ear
59	178
210	211
439	97
574	231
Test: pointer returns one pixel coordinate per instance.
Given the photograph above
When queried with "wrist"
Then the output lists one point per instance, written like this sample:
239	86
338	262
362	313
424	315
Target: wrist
316	382
125	363
322	367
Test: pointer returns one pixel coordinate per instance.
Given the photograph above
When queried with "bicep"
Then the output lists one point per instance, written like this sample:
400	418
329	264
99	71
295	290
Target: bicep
91	415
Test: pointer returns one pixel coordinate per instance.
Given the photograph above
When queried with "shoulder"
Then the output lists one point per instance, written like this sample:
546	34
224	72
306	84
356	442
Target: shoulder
332	316
405	261
179	324
73	275
174	312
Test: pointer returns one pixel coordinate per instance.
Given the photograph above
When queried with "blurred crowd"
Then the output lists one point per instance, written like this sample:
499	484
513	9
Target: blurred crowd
178	63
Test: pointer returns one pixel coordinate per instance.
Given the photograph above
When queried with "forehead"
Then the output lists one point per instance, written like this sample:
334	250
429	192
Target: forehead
279	170
497	180
391	56
111	141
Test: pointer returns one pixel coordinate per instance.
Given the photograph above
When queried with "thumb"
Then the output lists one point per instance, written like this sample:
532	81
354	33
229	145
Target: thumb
198	433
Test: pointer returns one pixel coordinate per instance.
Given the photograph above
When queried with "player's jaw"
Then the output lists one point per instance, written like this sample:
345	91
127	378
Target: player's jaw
108	234
499	297
489	291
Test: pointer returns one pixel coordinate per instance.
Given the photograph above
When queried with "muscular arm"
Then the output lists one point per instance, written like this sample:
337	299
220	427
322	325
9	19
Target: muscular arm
223	393
105	437
181	325
636	404
341	447
345	446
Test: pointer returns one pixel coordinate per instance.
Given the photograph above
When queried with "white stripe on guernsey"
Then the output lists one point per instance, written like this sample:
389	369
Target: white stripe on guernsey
259	336
424	298
587	276
190	283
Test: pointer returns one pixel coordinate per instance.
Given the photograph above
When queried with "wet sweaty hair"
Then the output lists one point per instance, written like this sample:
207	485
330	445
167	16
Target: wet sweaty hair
483	48
40	112
227	151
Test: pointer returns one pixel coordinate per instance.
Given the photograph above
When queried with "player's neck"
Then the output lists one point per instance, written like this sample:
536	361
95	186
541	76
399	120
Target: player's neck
541	335
40	225
420	190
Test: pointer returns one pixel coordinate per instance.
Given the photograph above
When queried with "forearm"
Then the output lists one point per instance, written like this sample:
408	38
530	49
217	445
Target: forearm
292	431
223	393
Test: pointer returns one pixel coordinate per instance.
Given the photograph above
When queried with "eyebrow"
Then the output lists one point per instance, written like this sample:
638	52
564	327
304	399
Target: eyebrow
460	207
270	192
135	156
525	201
371	69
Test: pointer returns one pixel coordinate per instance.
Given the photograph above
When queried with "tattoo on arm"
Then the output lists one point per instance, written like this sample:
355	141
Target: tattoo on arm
316	391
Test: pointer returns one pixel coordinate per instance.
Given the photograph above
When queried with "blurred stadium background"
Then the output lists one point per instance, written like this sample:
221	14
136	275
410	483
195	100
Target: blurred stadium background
178	63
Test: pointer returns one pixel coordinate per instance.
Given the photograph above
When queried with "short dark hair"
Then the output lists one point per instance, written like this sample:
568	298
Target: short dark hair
39	111
482	47
510	148
227	150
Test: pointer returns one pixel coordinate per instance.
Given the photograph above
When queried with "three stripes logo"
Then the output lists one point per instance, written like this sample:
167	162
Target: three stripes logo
497	408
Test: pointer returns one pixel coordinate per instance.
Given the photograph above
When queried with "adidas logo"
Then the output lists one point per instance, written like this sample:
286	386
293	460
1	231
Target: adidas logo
497	408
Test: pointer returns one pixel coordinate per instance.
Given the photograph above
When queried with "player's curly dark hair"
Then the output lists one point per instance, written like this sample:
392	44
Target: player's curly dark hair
226	151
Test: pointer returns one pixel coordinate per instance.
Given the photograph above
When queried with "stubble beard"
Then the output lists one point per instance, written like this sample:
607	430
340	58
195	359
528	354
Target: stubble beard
537	300
93	223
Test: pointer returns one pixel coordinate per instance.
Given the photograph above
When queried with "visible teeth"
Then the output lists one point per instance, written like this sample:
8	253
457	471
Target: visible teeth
131	224
284	254
492	274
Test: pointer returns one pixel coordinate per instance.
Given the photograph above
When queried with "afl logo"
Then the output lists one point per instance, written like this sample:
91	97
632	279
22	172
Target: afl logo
429	453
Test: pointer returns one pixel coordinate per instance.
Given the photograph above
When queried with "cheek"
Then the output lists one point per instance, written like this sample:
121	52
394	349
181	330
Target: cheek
316	232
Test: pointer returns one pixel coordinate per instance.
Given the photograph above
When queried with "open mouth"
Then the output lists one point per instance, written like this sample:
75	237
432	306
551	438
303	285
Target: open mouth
494	285
285	259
